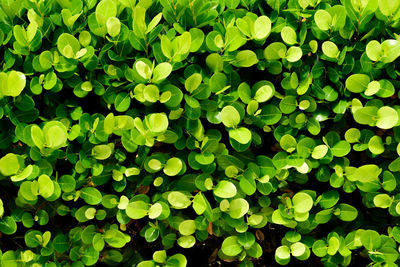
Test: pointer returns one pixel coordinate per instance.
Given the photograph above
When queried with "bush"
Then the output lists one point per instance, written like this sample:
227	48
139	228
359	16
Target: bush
179	132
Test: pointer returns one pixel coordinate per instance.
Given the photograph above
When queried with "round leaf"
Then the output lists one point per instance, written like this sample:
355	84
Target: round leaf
173	166
238	208
230	117
137	209
357	83
91	195
231	246
225	189
387	118
302	202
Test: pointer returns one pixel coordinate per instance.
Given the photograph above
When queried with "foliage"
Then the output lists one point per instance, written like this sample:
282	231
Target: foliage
132	131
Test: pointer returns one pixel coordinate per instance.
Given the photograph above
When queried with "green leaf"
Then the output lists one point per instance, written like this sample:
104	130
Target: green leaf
275	51
357	83
12	83
382	201
230	117
178	200
31	31
333	245
91	196
173	166
122	102
282	255
264	91
90	256
323	19
155	210
347	213
199	204
374	50
366	115
197	39
231	246
1	208
352	135
238	208
387	117
101	152
137	209
115	238
373	88
262	28
160	256
161	72
178	260
288	104
366	173
288	143
255	251
370	239
330	49
225	189
9	164
247	183
241	135
8	225
214	62
143	69
151	93
391	50
155	164
245	59
289	35
153	23
55	134
27	192
232	3
302	202
233	39
320	248
158	122
61	243
9	259
270	114
46	186
389	182
68	45
328	199
186	241
193	82
205	158
341	148
113	26
298	249
395	165
105	9
375	145
146	264
319	152
187	227
246	239
294	54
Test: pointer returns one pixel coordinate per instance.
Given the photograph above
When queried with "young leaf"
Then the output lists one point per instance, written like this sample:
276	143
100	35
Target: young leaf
230	117
161	72
225	189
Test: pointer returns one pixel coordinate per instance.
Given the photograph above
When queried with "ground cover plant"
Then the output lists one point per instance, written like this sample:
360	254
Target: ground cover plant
199	133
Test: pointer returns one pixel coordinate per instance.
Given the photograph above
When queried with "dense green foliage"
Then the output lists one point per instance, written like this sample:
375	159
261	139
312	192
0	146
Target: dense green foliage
134	132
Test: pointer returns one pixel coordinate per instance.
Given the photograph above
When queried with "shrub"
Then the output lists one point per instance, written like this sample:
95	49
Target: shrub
175	132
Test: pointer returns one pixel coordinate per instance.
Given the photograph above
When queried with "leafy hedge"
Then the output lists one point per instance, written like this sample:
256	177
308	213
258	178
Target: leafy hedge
141	133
